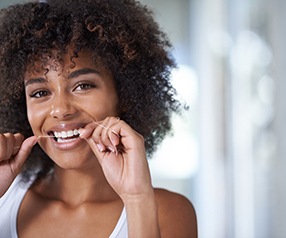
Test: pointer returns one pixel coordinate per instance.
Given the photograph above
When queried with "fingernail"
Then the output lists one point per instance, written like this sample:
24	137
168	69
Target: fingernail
35	142
112	140
111	149
100	147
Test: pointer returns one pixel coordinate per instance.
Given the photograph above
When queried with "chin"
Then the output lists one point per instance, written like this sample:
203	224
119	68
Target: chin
73	160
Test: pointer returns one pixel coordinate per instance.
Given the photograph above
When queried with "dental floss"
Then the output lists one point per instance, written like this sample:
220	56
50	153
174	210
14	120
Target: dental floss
103	126
97	123
107	128
114	132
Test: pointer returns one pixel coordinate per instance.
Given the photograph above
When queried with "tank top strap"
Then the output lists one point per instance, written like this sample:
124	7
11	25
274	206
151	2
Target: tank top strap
121	229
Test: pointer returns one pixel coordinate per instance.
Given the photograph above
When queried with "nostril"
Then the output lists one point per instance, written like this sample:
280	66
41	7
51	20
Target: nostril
62	108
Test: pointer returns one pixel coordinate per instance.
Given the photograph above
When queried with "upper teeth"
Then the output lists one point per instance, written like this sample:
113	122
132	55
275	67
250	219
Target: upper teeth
66	134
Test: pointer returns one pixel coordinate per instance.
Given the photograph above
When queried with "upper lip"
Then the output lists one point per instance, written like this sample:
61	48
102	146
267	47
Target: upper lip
65	127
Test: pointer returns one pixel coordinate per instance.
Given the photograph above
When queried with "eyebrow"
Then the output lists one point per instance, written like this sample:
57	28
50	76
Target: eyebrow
35	80
83	71
73	74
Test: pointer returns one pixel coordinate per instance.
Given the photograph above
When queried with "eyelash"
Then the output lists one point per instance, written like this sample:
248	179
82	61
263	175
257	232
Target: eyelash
80	86
39	94
84	86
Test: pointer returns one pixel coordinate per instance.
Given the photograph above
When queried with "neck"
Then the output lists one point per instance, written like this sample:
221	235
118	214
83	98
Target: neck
76	187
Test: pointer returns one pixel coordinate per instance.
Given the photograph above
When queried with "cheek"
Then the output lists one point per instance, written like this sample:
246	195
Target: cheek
103	105
29	113
111	102
35	116
28	108
109	108
31	118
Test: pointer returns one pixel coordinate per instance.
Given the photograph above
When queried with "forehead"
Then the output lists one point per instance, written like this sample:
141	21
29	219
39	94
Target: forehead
64	64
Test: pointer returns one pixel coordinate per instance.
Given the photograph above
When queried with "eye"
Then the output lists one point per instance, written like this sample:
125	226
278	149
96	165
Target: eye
83	86
39	94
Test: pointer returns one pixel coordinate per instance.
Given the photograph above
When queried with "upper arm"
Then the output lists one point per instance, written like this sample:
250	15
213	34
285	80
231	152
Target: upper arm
177	217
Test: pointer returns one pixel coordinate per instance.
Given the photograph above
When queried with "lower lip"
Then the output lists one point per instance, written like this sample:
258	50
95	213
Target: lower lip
67	144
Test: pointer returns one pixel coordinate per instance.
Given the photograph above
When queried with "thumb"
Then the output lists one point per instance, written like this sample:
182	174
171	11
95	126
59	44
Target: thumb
23	153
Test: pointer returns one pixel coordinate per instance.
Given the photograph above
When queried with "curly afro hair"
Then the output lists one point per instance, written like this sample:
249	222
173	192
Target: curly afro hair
121	33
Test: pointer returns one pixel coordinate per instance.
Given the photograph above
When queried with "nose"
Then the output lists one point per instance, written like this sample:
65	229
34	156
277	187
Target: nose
62	107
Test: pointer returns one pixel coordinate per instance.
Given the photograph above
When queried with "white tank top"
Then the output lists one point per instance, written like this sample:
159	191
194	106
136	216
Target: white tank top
10	204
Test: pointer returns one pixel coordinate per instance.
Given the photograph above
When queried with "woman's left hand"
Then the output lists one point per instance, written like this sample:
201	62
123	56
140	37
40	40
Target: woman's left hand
121	153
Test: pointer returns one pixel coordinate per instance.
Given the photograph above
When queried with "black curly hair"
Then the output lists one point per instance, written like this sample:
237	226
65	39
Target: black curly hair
122	33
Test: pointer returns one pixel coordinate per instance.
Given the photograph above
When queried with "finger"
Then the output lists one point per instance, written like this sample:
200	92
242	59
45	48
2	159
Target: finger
7	145
105	134
3	146
114	130
87	131
114	138
17	144
102	134
23	153
97	138
97	148
92	132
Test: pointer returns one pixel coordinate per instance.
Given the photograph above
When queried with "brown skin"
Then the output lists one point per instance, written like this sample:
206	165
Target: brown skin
96	174
176	217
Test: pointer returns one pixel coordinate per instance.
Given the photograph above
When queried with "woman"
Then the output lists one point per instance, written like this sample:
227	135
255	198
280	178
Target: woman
85	98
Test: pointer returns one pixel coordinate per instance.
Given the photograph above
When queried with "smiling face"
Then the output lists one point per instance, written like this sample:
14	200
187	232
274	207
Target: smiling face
64	99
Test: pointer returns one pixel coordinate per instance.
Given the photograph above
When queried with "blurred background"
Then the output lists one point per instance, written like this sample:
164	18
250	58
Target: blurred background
227	154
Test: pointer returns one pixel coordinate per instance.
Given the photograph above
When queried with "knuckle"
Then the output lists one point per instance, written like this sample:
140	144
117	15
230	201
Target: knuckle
3	156
2	137
2	147
19	136
140	139
95	136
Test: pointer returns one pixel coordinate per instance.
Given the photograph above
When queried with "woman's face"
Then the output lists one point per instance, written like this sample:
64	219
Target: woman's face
62	100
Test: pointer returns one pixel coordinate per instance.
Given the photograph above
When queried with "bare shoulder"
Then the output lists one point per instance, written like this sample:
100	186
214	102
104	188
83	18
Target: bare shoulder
177	216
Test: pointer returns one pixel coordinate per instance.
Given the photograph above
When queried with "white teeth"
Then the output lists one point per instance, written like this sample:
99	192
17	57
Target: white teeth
69	133
75	132
66	134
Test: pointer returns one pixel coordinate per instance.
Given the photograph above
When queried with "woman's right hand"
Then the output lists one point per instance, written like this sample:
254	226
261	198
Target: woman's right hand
14	151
